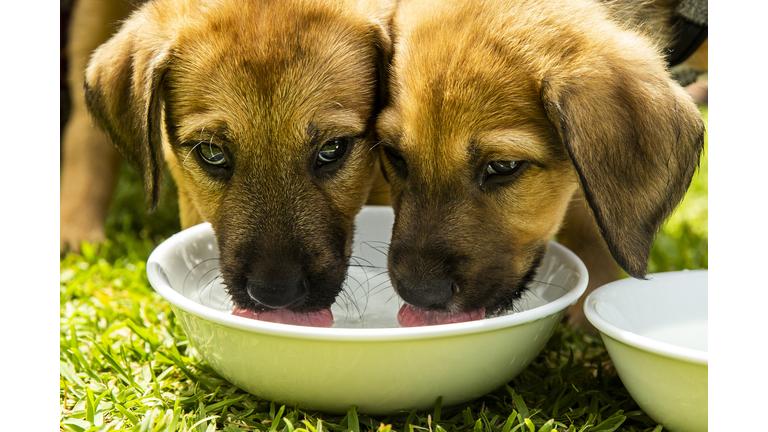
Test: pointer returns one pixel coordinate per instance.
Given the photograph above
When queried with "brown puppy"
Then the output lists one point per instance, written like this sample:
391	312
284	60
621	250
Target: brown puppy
90	162
501	113
263	112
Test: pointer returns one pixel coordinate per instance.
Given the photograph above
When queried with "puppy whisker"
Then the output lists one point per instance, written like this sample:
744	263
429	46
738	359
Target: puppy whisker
374	145
357	261
394	297
351	302
382	249
381	286
194	270
184	162
564	289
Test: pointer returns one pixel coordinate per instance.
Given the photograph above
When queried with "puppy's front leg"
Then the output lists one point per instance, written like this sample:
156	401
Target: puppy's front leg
580	234
88	178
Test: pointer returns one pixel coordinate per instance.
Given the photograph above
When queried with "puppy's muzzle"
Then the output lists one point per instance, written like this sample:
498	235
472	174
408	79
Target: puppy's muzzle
426	293
278	291
423	274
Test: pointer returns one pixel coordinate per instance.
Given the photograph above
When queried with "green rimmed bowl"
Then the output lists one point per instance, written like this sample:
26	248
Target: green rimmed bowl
365	360
655	331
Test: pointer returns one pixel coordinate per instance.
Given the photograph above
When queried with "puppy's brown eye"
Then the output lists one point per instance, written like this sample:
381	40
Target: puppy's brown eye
212	154
502	167
502	172
332	150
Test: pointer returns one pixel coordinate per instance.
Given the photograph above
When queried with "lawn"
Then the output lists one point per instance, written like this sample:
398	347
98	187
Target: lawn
127	365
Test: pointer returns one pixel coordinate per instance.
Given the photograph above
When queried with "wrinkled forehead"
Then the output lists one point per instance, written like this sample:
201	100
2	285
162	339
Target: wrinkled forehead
276	71
447	83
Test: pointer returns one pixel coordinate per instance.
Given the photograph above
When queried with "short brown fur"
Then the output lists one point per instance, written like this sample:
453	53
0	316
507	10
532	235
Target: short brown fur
583	101
268	83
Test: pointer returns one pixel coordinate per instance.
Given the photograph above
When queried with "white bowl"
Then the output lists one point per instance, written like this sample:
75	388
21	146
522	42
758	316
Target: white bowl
656	334
365	360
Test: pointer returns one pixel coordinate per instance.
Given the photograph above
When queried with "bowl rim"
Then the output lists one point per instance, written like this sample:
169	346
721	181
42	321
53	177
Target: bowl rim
161	286
633	339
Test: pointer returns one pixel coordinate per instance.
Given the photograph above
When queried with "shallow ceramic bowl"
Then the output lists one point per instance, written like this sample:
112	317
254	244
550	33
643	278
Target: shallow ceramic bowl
656	334
365	360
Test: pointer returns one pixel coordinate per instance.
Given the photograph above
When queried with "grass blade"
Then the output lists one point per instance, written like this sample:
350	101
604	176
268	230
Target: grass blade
438	409
529	424
467	414
510	422
352	421
478	426
610	424
127	414
547	427
276	419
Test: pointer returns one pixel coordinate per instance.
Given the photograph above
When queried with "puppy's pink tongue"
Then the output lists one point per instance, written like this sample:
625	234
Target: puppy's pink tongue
409	316
323	318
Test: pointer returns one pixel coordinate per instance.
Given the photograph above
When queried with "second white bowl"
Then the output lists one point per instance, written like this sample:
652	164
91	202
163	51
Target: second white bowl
655	331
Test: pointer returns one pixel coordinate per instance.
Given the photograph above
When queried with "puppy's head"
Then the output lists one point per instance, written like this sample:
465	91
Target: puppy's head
265	109
498	115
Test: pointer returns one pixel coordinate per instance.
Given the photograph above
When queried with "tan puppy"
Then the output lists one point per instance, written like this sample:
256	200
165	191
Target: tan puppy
503	112
263	112
90	162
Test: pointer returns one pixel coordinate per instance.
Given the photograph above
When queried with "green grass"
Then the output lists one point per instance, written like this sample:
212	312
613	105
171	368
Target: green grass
126	364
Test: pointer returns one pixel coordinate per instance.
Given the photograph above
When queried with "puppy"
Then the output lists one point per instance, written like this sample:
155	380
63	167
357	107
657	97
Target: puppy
506	116
263	111
89	162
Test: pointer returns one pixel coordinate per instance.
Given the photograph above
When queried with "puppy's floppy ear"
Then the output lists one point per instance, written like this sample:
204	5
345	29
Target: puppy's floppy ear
635	138
381	35
123	92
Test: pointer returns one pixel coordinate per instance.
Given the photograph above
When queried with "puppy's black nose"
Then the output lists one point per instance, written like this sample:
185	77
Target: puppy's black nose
277	292
431	293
